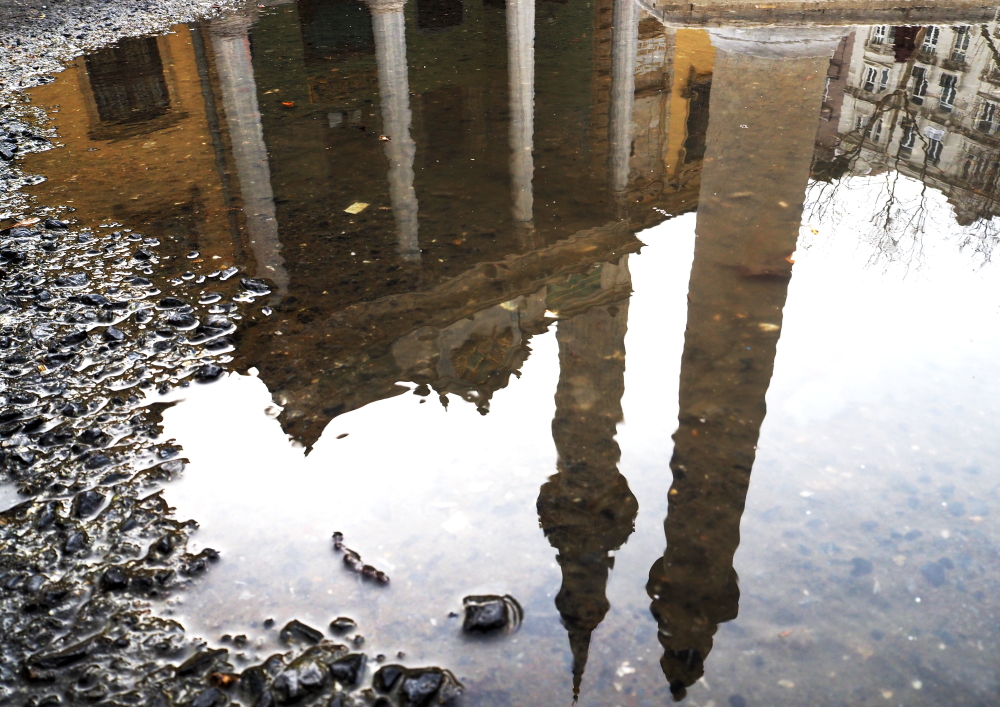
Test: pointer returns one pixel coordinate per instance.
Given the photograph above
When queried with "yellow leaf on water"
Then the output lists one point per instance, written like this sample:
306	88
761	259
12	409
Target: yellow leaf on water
356	208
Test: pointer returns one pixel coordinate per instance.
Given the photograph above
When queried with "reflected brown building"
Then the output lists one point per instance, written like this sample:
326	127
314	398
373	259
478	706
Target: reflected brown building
765	100
587	509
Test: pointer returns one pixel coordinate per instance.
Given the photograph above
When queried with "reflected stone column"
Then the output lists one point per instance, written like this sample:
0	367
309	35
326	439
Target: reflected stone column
624	45
394	96
587	509
234	65
521	73
765	101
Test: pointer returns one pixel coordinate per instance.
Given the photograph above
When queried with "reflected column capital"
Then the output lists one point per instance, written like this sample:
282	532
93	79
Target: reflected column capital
779	42
232	26
379	7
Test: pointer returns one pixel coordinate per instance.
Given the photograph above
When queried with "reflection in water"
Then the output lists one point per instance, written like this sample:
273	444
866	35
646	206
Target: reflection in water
239	97
128	83
515	233
587	509
394	97
521	72
765	96
624	43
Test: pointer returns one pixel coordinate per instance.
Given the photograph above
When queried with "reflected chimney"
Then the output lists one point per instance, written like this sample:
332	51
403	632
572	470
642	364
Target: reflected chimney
521	73
764	108
394	96
234	64
587	510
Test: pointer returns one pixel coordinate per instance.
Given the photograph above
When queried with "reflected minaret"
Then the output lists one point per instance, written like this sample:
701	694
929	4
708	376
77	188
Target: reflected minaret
394	96
587	509
234	64
764	107
624	45
521	73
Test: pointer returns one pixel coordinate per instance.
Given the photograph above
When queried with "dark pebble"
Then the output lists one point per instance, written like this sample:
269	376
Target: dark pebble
54	224
77	542
418	688
87	503
113	334
254	285
170	303
386	677
136	280
862	567
75	280
7	150
349	669
90	300
301	678
295	630
142	254
212	697
98	461
933	572
342	624
208	372
113	579
485	613
181	321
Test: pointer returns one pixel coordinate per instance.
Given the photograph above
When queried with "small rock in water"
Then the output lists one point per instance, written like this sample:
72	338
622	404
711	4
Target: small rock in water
114	578
303	676
295	630
933	572
254	285
87	503
862	567
55	225
342	624
349	669
75	280
487	613
113	334
208	372
228	273
170	303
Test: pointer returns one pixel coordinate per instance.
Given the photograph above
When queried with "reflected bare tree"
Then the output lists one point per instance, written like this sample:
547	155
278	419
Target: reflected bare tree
899	218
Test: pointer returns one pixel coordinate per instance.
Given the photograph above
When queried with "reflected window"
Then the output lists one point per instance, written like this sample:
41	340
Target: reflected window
909	137
919	89
935	144
697	121
876	132
931	37
987	117
439	14
127	82
949	90
961	45
335	30
876	79
878	34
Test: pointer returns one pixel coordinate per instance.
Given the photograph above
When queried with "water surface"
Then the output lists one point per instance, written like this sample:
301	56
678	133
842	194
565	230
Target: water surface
682	337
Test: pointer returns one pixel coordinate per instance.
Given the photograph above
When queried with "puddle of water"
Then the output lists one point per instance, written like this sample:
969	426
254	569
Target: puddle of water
534	331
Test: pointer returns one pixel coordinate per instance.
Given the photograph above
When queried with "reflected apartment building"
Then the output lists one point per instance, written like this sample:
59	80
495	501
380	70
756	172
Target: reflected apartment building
926	101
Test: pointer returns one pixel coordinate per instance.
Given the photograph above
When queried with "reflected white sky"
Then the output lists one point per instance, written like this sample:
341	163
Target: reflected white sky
877	368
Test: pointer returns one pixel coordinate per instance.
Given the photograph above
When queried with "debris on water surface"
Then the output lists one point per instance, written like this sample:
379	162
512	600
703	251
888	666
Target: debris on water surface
489	613
357	207
353	561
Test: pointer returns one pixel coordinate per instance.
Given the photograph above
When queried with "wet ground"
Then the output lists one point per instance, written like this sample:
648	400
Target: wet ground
555	353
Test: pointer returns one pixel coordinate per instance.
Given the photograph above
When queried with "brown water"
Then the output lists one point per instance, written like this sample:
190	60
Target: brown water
681	337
